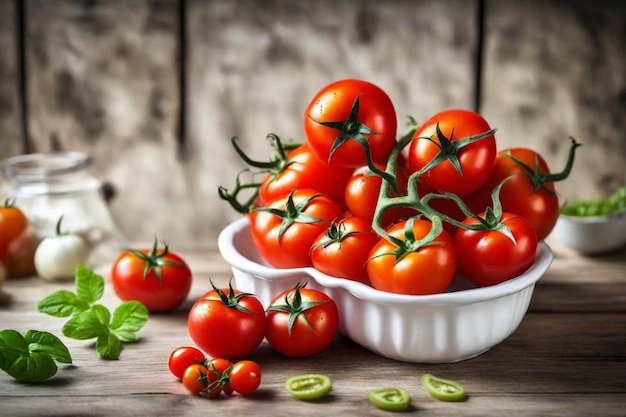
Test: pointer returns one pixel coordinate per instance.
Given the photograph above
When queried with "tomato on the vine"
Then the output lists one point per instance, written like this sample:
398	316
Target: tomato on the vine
227	323
424	263
182	358
218	377
342	250
529	190
245	377
301	322
302	169
284	230
362	191
345	115
161	280
489	257
455	150
194	378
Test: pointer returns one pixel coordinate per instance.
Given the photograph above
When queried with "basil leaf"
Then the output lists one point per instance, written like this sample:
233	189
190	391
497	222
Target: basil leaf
62	303
86	325
108	346
45	342
31	358
89	285
129	318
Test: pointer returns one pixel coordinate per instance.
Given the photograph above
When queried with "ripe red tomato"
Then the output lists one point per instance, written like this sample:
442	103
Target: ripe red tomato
345	110
284	239
490	257
426	269
218	377
342	250
194	378
182	358
301	322
302	169
226	323
539	203
476	160
362	191
161	280
245	377
17	241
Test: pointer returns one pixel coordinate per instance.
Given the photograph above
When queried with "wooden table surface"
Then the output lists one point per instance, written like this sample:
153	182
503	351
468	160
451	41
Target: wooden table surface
568	357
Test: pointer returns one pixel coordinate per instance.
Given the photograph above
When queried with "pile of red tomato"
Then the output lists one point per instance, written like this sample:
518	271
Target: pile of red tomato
451	201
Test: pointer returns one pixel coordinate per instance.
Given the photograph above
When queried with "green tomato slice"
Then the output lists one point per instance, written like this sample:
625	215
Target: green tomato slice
443	389
390	399
308	387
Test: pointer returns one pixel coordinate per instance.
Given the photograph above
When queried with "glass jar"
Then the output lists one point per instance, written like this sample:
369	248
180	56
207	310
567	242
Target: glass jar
46	186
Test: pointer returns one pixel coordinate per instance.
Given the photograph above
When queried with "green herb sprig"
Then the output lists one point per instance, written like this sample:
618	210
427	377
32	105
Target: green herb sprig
90	320
31	358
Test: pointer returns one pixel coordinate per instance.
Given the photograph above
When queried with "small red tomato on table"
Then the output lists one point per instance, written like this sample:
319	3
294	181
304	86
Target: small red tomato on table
160	279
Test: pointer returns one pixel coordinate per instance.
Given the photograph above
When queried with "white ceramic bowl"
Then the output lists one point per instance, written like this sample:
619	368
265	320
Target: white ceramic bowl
449	327
592	235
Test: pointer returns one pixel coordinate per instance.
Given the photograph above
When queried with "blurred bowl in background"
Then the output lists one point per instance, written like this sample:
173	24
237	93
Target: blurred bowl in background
592	234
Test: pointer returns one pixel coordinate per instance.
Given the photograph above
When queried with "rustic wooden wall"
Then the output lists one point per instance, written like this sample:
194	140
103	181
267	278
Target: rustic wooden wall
155	89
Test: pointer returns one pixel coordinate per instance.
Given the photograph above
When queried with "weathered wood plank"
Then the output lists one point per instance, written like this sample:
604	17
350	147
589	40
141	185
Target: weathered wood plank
254	67
555	69
10	121
103	79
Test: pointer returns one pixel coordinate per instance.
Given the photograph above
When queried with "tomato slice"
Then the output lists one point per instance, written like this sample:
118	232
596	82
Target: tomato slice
308	387
390	399
443	389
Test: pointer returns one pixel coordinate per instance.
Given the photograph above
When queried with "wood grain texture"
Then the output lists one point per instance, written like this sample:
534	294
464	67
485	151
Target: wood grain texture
10	116
112	79
103	79
557	69
568	361
254	67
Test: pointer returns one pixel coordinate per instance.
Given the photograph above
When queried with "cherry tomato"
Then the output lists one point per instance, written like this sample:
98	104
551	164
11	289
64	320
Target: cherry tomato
342	250
226	323
428	269
362	191
301	322
347	110
17	241
194	378
284	238
161	280
182	358
441	136
491	257
308	387
538	204
245	377
218	377
302	169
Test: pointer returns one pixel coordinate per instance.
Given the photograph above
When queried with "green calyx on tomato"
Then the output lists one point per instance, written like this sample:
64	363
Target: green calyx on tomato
449	149
295	307
336	233
410	244
292	213
231	300
308	387
443	389
538	178
390	399
155	260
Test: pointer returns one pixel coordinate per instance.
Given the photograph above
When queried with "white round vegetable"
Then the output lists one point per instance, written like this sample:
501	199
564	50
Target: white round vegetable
57	257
